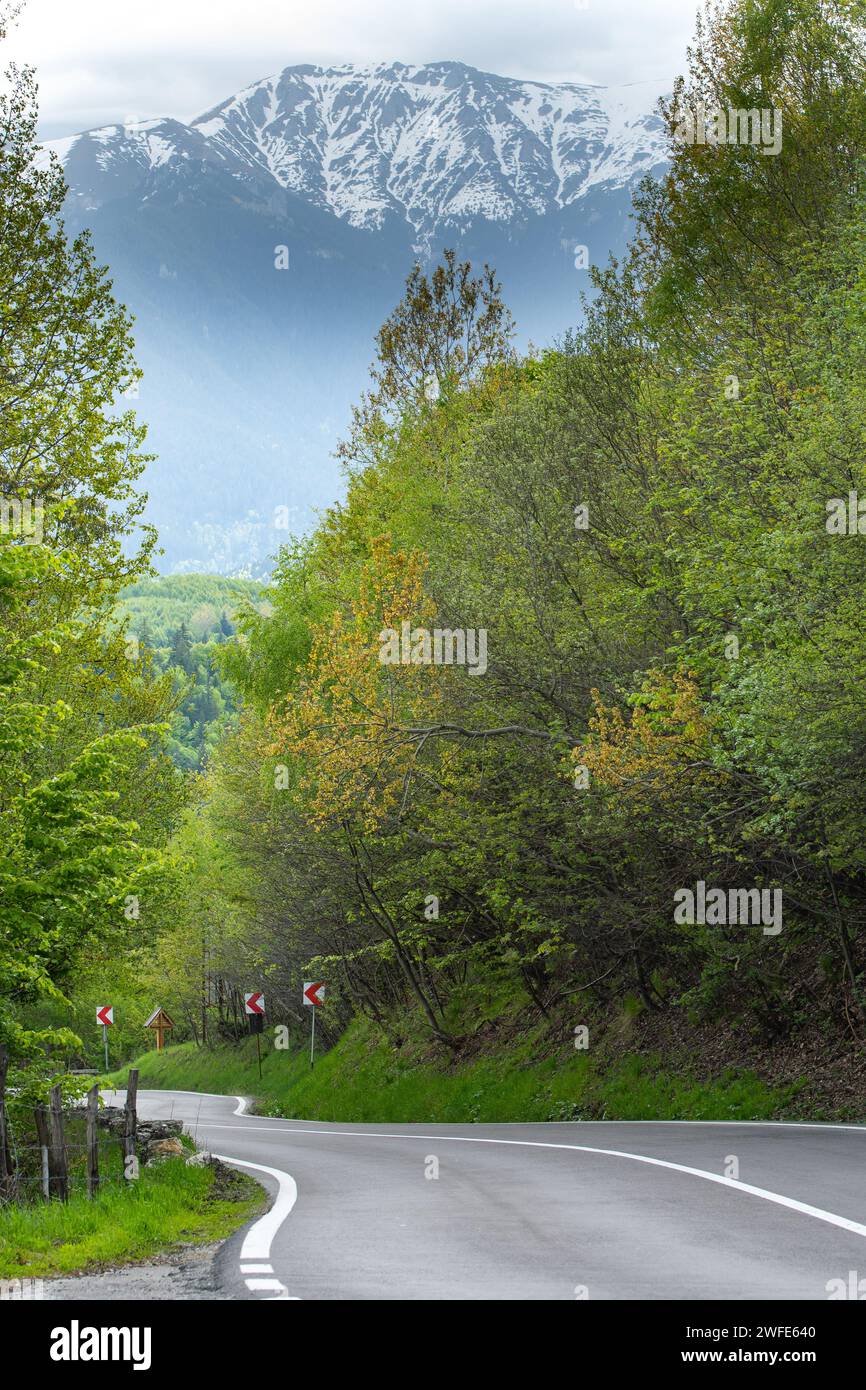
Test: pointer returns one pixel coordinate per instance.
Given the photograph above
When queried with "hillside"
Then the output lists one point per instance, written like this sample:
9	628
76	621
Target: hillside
207	603
513	1067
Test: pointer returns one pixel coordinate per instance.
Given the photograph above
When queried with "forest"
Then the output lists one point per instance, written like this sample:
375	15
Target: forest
656	525
179	622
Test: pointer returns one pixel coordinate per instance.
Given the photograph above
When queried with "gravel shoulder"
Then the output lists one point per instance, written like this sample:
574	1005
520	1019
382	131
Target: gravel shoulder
187	1274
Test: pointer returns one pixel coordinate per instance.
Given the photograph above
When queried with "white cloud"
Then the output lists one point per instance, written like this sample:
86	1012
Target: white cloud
99	61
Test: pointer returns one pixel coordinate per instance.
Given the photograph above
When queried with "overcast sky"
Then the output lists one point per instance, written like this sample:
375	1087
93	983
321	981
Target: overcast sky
101	61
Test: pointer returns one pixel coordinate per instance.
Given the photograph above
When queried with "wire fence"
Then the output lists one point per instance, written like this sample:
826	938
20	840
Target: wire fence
56	1151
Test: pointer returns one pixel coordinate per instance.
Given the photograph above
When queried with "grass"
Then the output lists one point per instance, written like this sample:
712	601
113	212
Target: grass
366	1080
168	1205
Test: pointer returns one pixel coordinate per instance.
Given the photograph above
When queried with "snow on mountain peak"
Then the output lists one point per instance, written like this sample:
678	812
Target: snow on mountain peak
437	143
432	145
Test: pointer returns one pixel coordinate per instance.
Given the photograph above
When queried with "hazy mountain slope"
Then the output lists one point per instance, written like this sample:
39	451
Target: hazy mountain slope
250	370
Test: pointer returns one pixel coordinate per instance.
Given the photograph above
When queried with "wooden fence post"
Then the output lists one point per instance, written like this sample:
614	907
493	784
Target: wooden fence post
129	1127
92	1142
41	1118
59	1184
7	1171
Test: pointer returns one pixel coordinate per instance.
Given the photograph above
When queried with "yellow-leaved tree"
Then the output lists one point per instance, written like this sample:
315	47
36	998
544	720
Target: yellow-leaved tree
352	725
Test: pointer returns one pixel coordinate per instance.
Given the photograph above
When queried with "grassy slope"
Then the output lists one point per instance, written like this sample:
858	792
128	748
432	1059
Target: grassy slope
169	1204
364	1079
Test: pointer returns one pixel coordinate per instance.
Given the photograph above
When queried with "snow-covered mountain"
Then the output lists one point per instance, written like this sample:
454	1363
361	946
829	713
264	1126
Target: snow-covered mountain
358	172
437	146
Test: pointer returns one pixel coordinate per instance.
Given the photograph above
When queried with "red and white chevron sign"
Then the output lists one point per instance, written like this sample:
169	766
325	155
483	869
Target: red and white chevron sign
105	1015
254	1003
314	992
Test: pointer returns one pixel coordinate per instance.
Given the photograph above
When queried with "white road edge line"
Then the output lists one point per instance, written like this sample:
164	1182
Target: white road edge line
242	1103
257	1241
240	1108
803	1208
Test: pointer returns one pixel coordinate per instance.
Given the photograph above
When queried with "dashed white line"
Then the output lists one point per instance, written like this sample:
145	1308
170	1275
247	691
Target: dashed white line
256	1250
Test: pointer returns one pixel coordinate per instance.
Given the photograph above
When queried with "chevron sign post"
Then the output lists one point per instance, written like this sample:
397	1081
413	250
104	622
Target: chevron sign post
105	1016
254	1007
314	997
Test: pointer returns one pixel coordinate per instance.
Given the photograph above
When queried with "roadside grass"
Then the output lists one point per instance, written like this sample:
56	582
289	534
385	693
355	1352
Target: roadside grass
168	1205
363	1079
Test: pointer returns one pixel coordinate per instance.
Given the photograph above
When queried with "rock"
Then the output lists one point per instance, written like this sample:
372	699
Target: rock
155	1140
149	1130
202	1160
165	1148
110	1117
113	1117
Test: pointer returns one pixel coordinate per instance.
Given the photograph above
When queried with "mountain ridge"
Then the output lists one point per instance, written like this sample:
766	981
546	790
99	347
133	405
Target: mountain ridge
261	244
436	145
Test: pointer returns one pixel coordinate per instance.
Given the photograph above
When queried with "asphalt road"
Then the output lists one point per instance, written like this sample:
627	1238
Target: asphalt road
537	1211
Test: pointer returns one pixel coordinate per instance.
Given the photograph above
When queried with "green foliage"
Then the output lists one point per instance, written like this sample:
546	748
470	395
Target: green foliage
65	357
693	638
87	796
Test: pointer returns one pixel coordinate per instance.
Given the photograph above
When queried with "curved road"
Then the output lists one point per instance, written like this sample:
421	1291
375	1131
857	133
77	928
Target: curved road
608	1210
